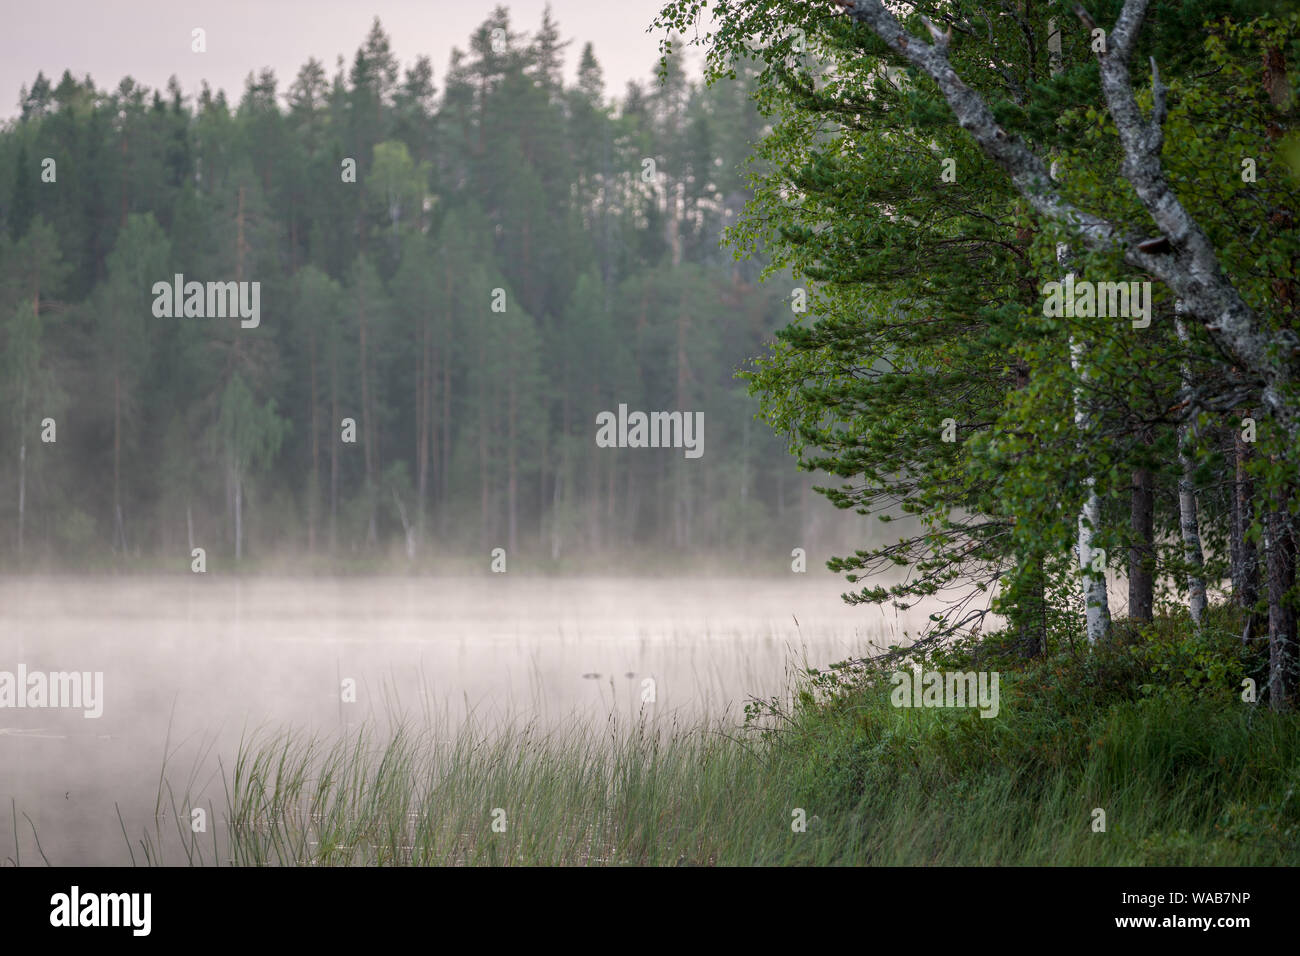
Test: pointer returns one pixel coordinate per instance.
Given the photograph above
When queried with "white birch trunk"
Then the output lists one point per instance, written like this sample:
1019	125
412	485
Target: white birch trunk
1096	600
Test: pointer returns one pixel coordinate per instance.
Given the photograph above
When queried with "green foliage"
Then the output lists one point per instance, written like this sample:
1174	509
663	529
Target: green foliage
376	298
928	375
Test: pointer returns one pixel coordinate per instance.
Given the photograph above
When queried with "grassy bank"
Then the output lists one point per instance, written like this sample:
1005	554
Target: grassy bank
1152	730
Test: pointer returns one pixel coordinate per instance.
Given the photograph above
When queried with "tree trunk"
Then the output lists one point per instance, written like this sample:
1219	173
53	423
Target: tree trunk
421	429
239	516
408	529
313	486
681	495
119	533
22	492
435	425
558	492
240	248
1234	525
444	467
1281	560
610	529
1096	600
543	473
512	477
445	473
483	452
1245	581
1188	518
367	446
595	461
1141	555
1188	523
335	423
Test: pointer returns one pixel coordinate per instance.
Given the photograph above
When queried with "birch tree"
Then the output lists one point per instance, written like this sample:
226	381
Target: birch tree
250	435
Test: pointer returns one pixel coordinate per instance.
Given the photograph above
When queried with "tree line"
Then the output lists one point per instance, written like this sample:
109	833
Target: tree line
454	283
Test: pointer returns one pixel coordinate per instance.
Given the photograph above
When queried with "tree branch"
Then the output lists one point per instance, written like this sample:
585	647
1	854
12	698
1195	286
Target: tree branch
1182	257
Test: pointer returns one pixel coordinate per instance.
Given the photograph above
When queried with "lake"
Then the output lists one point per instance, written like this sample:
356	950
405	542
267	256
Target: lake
189	663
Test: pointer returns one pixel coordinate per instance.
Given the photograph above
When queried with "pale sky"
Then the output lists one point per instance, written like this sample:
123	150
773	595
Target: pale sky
150	39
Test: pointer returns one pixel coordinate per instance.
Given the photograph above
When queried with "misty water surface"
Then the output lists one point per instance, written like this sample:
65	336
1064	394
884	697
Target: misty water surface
200	660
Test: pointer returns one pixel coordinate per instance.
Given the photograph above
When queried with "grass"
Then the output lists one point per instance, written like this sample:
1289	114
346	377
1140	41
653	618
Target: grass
412	795
1151	730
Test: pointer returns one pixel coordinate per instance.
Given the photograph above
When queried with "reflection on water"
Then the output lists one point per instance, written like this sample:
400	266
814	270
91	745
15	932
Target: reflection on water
190	662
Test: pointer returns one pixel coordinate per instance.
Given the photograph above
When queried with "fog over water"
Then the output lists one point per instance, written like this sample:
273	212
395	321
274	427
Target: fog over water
189	663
